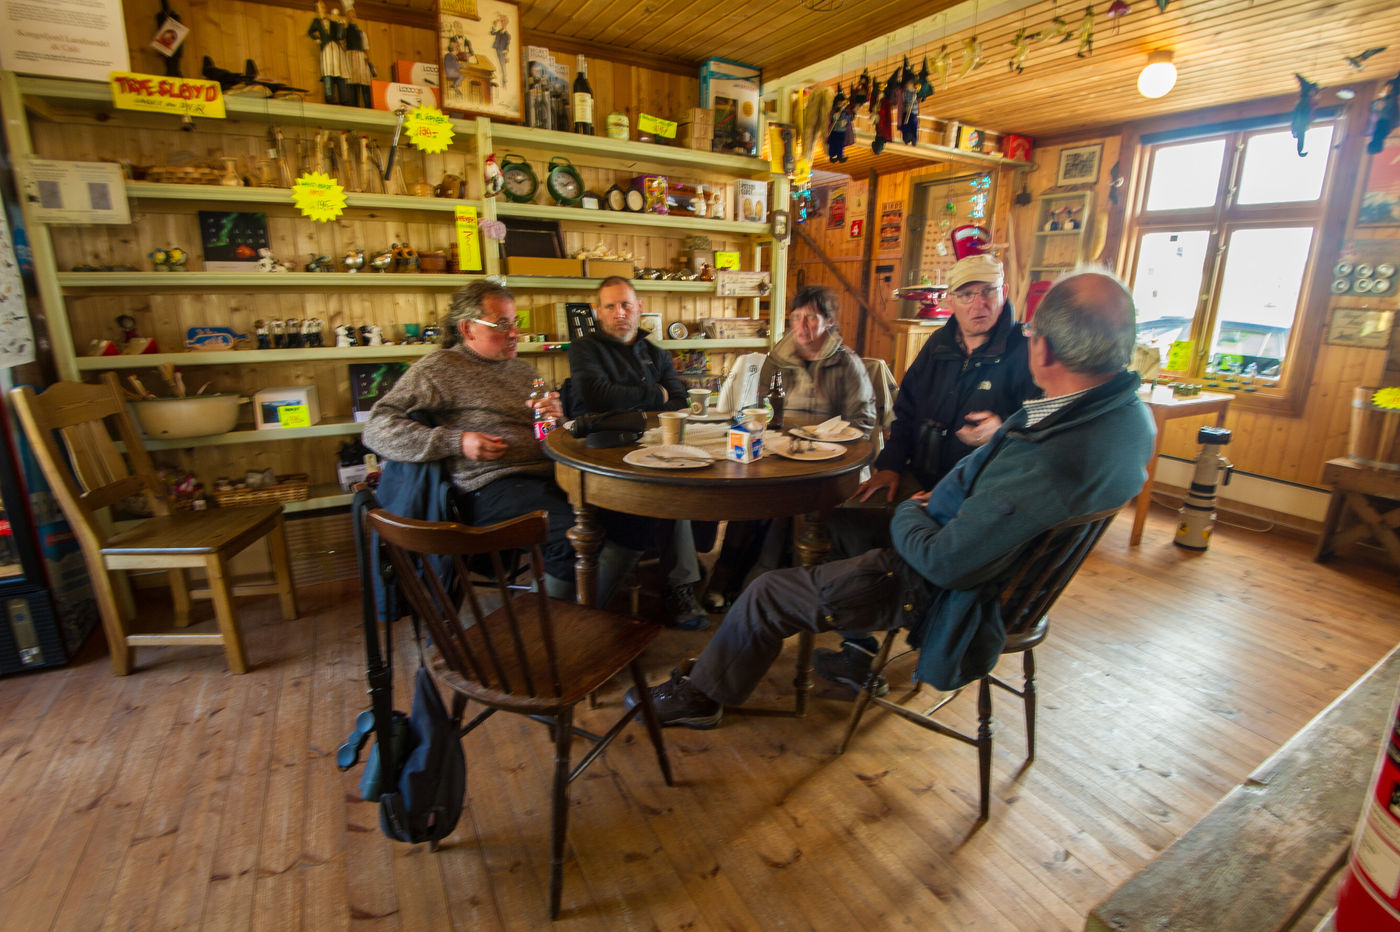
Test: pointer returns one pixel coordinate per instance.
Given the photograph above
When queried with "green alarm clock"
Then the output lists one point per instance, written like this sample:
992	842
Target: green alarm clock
564	182
520	182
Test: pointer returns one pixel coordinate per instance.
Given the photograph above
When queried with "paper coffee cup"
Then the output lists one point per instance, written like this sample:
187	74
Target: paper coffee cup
672	426
699	400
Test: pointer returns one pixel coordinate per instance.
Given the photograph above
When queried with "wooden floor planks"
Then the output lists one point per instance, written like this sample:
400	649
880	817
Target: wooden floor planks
183	797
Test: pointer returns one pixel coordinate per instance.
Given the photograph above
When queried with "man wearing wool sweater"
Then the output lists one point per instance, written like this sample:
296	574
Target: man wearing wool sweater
1081	449
475	394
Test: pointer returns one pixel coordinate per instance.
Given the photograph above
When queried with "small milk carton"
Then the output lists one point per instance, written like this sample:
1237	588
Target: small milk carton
745	445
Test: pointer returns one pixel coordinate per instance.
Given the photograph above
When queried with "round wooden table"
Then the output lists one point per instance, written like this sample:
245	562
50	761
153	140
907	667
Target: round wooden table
773	487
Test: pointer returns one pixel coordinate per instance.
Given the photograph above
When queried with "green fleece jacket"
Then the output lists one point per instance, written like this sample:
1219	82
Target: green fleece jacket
1089	456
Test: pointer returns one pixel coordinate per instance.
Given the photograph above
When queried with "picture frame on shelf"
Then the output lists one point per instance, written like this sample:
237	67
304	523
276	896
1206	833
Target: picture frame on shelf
1080	164
1380	198
479	50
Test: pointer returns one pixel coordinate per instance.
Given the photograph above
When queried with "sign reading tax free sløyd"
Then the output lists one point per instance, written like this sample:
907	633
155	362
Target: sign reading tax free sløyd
156	94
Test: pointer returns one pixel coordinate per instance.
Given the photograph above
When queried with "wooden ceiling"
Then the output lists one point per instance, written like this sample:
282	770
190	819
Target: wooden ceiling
1226	51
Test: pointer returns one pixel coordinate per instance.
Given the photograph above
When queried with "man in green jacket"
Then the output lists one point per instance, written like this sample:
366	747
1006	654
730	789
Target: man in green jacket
1082	448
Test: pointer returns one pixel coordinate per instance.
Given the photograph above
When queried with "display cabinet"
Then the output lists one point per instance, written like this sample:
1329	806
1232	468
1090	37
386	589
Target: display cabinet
1061	223
85	284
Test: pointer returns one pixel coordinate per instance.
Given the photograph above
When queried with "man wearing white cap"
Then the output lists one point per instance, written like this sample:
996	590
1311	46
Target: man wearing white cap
970	376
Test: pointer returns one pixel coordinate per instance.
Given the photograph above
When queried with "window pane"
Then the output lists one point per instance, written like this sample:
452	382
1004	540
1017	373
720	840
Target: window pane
1167	286
1186	175
1273	172
1259	298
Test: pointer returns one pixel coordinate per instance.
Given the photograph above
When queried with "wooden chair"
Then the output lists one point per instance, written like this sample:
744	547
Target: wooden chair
1028	590
534	655
94	475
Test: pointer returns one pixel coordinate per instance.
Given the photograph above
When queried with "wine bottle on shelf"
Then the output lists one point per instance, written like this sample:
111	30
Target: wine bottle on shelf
583	100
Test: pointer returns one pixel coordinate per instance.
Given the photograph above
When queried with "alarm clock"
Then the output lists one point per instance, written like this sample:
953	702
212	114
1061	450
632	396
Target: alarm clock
677	330
563	182
591	201
520	182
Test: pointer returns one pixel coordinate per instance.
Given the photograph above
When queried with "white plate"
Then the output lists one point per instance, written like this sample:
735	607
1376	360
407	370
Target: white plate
811	450
674	456
844	436
713	416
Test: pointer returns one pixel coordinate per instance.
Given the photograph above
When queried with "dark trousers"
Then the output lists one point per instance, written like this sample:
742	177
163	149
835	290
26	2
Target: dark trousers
872	592
512	496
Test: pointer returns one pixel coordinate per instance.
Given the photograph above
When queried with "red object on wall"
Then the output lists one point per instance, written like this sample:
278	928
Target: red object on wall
1369	897
1034	295
969	240
1016	147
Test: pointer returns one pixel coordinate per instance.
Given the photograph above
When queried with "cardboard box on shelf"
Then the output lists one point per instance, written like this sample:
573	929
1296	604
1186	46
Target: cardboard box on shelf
288	406
370	381
391	95
752	201
602	268
535	265
415	72
732	90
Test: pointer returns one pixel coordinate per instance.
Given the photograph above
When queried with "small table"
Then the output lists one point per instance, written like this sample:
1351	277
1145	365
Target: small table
1371	497
1165	406
773	487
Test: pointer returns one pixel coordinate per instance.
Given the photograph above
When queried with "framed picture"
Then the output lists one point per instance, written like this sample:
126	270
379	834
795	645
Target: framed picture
1351	326
1080	164
1380	201
479	47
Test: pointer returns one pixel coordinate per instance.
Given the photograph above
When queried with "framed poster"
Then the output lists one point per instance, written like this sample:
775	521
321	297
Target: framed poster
1080	164
479	46
1380	201
1351	326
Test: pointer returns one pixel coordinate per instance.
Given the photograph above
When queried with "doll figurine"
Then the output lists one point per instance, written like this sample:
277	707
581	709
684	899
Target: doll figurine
840	132
358	69
329	31
908	107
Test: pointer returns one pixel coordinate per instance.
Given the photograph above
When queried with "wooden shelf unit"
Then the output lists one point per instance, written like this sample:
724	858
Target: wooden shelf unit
75	120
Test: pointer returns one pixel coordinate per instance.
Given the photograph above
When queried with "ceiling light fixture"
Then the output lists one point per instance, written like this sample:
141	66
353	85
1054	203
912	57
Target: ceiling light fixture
1159	75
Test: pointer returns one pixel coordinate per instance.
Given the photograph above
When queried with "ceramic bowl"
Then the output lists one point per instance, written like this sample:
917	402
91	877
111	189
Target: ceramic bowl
192	416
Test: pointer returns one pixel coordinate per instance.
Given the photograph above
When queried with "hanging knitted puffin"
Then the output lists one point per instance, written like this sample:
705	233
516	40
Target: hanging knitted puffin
908	106
840	131
884	123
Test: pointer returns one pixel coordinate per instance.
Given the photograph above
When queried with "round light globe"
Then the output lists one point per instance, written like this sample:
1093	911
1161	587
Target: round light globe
1158	77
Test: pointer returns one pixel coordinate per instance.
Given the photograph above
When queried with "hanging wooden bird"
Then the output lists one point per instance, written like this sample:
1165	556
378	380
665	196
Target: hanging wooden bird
909	107
1387	116
1359	61
860	91
1086	34
1058	29
940	65
1303	110
971	56
840	130
884	123
1022	47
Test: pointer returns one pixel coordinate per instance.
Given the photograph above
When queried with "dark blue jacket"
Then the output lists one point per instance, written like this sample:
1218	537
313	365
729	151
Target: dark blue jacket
943	385
606	375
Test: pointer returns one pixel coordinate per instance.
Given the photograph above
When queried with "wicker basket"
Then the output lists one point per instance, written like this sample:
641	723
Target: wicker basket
288	489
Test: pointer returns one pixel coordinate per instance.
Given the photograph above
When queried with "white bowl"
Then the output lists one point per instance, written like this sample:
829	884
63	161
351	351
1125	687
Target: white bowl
192	416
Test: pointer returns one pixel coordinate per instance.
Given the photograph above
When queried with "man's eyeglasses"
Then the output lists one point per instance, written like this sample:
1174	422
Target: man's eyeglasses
505	323
989	293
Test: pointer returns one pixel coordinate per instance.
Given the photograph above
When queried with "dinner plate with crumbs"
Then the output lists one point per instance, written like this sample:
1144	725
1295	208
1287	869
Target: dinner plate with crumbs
844	435
796	448
712	417
669	456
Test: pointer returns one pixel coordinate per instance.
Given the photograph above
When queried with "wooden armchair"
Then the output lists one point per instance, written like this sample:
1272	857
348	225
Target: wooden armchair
534	656
90	474
1029	589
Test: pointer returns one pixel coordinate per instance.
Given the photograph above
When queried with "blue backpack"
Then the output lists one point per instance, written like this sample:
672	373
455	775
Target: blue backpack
421	783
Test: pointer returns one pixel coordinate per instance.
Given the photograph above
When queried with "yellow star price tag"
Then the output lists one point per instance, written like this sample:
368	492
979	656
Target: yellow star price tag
318	196
1388	398
428	128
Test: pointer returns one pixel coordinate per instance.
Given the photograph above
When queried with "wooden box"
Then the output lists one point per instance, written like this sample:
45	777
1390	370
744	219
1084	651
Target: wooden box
535	265
602	268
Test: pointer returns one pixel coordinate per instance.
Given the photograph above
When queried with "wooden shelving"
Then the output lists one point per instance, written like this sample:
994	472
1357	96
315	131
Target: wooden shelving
609	218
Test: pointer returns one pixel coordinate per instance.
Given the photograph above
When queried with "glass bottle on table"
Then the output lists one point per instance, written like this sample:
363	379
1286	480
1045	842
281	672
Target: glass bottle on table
776	399
544	422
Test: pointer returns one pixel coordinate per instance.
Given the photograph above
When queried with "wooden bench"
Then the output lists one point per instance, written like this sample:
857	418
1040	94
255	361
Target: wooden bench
1267	854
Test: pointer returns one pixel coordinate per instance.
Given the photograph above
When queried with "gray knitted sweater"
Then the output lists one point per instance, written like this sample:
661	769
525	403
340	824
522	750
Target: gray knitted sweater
462	391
